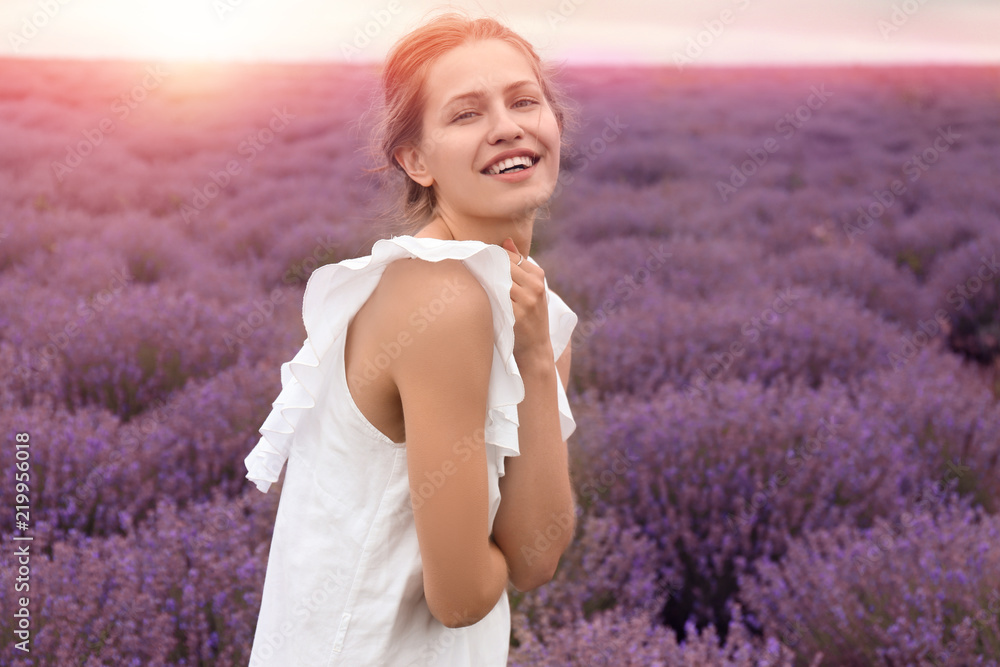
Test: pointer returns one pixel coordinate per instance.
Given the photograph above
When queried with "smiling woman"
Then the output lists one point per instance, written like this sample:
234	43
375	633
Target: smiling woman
438	454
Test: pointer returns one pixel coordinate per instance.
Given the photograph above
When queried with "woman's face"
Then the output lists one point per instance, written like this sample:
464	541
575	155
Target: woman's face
463	135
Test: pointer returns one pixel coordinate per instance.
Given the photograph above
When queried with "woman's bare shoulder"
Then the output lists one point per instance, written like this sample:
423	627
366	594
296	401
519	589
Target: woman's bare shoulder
438	311
413	282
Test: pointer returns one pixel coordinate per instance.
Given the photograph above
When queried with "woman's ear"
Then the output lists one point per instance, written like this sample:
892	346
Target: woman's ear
412	162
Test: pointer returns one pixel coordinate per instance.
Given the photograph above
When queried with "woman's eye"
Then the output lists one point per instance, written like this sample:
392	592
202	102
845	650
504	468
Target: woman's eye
461	116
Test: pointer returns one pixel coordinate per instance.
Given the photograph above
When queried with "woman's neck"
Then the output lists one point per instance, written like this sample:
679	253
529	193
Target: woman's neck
519	230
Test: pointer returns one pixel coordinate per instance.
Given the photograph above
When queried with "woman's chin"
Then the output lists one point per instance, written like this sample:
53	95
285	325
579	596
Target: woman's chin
532	199
520	207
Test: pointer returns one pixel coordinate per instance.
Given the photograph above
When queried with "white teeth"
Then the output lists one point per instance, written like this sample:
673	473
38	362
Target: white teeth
510	162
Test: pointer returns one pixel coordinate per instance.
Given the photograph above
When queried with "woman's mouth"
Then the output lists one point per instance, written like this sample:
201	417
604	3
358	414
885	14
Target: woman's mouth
513	170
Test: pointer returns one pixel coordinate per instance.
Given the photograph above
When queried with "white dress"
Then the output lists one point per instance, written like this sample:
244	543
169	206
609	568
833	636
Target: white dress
343	584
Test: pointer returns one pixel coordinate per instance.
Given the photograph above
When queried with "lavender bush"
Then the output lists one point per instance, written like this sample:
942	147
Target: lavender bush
731	477
921	592
179	588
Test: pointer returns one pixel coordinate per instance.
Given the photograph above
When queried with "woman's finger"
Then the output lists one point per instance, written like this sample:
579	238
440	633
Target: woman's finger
519	274
512	252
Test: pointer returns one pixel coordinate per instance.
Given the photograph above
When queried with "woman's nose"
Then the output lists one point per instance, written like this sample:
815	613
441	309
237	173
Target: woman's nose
504	125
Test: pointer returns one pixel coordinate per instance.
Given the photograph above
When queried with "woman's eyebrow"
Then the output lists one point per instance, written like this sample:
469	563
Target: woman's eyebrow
476	94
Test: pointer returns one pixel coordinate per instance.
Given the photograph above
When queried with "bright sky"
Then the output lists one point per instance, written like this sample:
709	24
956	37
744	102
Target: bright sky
707	32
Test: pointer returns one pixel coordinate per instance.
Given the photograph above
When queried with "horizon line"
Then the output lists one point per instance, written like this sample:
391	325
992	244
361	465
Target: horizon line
610	64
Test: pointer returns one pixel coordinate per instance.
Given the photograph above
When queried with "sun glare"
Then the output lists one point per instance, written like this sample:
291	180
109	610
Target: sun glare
185	29
672	34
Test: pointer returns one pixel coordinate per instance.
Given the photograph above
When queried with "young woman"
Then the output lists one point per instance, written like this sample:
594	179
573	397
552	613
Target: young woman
424	420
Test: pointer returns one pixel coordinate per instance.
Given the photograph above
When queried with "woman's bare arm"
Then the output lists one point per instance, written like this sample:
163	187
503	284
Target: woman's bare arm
537	517
443	382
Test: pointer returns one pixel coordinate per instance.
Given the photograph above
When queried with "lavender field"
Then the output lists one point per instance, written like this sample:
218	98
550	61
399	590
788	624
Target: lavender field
785	374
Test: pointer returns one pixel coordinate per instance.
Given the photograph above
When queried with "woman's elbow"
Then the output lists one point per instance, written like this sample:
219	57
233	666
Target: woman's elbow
455	621
537	568
461	605
537	574
452	616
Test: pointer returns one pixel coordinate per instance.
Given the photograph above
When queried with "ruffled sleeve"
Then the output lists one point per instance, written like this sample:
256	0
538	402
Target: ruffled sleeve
562	322
266	459
502	424
336	292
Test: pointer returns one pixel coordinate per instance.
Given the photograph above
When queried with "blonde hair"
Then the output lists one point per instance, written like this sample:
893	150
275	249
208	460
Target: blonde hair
400	101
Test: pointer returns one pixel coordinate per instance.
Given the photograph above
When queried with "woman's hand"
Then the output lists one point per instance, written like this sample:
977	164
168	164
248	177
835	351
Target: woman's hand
532	343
